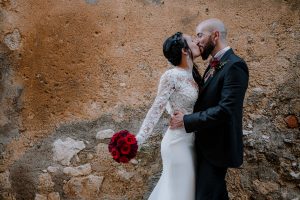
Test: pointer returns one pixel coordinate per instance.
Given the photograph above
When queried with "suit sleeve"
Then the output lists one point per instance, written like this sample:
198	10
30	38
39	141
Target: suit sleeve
233	91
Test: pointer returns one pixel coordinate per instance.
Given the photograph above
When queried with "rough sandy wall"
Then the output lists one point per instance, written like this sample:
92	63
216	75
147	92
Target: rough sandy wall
74	68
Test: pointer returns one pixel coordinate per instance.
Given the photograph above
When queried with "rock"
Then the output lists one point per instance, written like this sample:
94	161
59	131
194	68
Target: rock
40	197
291	121
251	156
3	119
124	174
102	151
53	196
249	125
77	158
89	156
105	134
258	91
45	183
288	141
7	196
245	132
103	160
63	151
267	174
295	105
273	157
250	142
295	175
83	187
288	156
254	116
52	169
256	95
266	138
78	171
4	180
265	187
294	164
13	40
134	161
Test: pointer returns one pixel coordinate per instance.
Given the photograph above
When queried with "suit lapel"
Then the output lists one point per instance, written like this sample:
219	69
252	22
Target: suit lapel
223	59
206	71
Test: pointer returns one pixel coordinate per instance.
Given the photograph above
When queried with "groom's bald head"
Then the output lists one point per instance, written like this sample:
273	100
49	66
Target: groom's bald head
211	25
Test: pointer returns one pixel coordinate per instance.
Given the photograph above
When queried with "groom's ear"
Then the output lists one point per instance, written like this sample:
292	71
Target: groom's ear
216	35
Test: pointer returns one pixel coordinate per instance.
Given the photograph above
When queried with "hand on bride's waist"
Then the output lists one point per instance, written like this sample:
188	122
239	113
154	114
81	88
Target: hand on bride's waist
176	120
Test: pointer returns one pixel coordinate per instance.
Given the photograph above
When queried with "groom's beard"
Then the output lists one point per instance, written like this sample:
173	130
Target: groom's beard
207	49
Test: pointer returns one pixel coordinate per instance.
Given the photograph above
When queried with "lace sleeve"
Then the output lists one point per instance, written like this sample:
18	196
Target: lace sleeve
165	89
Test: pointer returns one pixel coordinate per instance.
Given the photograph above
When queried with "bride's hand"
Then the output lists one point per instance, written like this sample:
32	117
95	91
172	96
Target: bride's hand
177	120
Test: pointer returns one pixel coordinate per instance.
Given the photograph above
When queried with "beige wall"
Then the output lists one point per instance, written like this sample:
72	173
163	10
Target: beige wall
66	62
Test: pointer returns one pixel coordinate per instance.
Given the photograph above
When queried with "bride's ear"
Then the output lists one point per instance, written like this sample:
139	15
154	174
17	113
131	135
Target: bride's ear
184	51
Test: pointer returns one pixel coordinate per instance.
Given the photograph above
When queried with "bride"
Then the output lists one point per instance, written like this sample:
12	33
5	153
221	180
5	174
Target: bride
177	91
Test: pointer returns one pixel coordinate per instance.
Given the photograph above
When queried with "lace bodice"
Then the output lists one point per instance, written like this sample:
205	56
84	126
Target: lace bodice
177	91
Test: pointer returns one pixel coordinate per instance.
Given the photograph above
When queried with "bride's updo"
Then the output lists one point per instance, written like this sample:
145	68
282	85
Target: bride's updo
172	48
172	51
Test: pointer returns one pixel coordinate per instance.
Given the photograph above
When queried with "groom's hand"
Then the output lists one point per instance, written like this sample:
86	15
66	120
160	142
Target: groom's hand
177	120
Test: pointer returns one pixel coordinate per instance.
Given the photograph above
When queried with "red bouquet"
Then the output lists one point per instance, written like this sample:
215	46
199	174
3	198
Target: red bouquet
123	146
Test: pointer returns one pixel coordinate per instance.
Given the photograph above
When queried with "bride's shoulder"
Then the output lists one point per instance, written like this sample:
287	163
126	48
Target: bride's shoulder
171	72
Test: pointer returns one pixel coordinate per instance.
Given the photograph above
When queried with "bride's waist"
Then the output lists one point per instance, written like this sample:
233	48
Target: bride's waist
180	131
178	135
172	108
185	112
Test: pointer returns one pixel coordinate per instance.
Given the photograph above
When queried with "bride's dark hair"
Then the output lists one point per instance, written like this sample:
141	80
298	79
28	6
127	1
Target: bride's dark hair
172	51
172	48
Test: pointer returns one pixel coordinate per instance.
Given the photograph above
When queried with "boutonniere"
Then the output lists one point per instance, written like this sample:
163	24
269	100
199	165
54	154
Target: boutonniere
217	65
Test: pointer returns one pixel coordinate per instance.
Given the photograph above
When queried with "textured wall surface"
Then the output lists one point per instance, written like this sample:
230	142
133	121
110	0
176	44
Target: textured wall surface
73	69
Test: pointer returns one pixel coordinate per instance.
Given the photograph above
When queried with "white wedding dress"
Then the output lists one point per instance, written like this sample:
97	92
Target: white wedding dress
177	91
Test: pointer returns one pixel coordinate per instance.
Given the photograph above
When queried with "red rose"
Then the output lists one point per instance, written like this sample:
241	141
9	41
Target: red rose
133	151
115	138
121	142
125	149
123	133
115	153
134	147
110	147
131	155
124	159
130	139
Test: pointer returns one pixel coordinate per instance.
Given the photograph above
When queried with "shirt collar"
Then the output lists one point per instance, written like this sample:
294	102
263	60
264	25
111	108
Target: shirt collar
220	53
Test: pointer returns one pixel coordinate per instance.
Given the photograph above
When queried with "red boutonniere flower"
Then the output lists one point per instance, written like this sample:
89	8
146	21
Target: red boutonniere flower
217	65
123	146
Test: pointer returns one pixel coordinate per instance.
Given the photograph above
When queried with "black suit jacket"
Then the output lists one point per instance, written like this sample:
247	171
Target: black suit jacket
217	117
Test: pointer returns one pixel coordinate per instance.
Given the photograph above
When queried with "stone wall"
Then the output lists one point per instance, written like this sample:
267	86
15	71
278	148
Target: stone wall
73	72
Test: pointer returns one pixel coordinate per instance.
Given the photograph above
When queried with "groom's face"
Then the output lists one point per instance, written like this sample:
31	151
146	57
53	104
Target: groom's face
205	42
206	48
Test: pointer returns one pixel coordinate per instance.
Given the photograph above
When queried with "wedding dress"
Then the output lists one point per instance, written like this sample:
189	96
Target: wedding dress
177	91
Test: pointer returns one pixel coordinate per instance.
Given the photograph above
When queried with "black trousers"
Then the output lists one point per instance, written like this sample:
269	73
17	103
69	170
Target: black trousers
210	181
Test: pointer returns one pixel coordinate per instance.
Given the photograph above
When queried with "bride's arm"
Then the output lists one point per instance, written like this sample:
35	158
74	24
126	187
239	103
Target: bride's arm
165	89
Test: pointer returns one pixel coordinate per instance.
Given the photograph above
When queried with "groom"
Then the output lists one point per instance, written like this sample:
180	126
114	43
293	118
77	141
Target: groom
217	117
